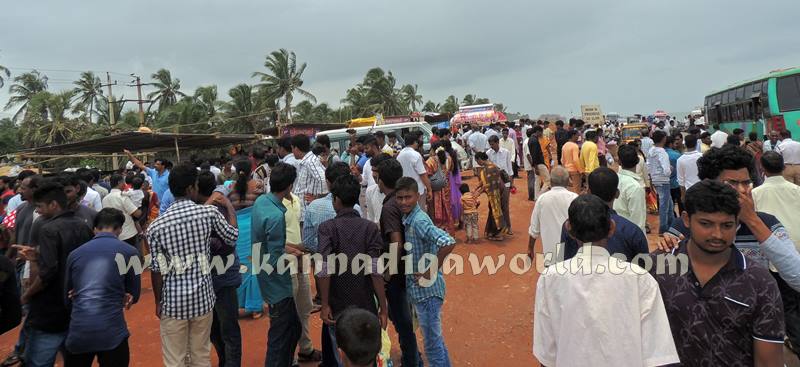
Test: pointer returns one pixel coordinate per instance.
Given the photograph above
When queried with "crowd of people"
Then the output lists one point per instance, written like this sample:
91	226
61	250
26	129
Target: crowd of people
725	202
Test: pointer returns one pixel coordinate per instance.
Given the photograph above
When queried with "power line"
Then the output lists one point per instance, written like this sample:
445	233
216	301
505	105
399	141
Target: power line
63	70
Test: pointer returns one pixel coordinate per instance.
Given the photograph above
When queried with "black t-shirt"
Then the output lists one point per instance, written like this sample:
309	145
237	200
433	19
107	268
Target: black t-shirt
535	151
57	238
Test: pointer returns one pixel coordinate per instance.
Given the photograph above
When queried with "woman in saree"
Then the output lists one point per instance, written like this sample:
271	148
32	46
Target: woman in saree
492	184
243	195
454	176
439	205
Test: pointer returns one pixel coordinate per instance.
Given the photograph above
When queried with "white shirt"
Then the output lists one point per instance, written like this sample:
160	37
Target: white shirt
374	203
510	145
502	159
549	215
116	200
366	176
780	198
718	139
687	169
768	146
525	152
492	132
216	171
478	142
92	200
790	150
413	166
290	159
135	195
570	316
647	143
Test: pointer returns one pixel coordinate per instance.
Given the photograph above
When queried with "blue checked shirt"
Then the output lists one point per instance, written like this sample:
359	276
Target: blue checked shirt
425	238
317	212
181	234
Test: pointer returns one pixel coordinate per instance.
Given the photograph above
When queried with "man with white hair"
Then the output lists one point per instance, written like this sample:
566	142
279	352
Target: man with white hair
549	214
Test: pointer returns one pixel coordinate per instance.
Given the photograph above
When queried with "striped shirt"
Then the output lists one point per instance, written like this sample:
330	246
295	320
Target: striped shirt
310	177
182	235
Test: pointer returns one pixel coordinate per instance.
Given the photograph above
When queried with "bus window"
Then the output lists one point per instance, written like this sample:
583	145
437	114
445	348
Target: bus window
789	93
756	88
739	94
726	97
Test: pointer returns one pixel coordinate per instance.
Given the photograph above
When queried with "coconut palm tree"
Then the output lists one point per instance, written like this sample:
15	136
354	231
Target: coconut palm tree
185	116
411	97
284	78
55	127
468	100
87	90
4	70
102	111
206	97
167	90
430	106
450	105
25	87
246	111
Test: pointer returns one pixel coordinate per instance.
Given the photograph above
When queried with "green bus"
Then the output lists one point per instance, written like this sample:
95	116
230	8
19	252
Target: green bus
764	104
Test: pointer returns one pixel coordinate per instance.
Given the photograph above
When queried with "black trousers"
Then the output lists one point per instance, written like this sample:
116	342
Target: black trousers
283	334
791	309
117	357
515	169
225	333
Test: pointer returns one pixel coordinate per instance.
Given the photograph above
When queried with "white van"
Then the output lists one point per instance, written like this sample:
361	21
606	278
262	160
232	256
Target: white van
340	140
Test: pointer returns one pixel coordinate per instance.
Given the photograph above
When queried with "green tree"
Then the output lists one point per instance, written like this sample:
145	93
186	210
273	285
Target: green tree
103	113
87	91
468	100
430	106
9	136
482	100
25	87
246	111
357	102
411	96
450	105
283	79
206	97
167	90
54	127
304	111
4	71
186	116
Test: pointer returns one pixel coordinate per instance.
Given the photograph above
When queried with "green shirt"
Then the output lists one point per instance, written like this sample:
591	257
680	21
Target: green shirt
269	230
631	203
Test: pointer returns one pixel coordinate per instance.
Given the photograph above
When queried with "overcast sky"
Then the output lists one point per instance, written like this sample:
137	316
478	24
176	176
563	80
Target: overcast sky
629	56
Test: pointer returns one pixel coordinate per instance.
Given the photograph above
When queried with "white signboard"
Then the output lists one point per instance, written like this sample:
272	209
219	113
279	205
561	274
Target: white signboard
592	114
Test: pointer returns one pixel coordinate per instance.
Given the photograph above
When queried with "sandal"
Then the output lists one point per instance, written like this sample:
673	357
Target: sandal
314	356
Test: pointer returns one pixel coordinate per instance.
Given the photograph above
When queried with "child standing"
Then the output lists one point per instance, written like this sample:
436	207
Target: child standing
470	203
425	286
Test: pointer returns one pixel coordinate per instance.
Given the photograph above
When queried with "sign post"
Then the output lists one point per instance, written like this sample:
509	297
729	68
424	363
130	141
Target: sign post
592	114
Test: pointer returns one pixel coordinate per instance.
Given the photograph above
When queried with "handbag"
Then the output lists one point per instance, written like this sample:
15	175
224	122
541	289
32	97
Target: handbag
437	180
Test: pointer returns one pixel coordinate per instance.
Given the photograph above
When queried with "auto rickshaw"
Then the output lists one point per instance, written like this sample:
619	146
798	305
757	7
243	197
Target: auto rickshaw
631	132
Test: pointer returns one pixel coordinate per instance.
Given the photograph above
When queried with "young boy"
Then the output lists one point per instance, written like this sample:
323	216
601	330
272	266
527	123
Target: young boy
470	203
359	335
350	235
425	290
635	313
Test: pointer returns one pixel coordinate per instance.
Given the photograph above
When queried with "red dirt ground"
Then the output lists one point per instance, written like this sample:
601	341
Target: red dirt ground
488	319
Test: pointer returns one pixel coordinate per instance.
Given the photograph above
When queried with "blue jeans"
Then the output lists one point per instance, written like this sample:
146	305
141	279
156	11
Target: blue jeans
284	333
429	313
330	352
225	333
41	347
666	208
400	314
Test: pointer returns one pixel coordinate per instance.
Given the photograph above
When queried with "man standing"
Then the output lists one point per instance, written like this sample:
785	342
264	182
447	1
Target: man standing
647	143
672	147
48	318
726	310
571	160
414	166
392	232
718	138
589	158
426	288
92	198
96	289
631	203
269	231
185	299
772	143
687	165
705	142
159	174
310	184
627	240
660	170
115	199
530	171
561	138
478	142
635	314
548	215
351	236
285	152
790	150
510	145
